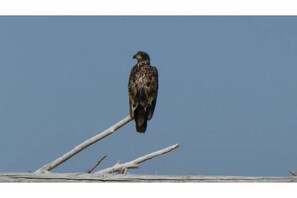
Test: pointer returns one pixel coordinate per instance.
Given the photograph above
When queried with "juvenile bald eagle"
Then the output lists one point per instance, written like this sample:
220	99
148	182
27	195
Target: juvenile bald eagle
143	90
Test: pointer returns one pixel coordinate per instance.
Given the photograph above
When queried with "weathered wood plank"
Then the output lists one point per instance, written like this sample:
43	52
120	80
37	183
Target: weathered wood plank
84	177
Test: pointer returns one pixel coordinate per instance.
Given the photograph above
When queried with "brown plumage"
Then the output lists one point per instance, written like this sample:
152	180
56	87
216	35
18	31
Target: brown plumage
143	90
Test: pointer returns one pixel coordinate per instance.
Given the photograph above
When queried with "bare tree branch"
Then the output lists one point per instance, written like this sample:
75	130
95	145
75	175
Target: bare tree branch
293	172
122	168
47	167
97	163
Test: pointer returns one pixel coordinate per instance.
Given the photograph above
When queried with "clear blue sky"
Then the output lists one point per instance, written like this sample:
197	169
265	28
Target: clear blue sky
227	92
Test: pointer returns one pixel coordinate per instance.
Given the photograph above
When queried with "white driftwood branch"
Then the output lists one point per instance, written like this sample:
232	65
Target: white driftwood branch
83	145
122	168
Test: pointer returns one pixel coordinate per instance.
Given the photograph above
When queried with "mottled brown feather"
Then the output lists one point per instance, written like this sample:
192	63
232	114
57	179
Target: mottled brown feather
143	90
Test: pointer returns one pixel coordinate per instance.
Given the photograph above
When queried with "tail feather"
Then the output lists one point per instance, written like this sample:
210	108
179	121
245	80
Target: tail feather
140	116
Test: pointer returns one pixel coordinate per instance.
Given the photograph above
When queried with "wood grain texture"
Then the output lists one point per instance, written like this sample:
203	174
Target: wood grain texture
84	177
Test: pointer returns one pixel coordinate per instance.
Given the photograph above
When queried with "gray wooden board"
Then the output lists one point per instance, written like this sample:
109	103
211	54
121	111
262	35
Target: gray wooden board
84	177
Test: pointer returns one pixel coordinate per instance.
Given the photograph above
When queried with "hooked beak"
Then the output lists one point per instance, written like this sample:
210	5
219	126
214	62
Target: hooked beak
134	56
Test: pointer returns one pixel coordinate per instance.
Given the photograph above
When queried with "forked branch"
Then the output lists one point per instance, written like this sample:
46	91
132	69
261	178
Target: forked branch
122	168
83	145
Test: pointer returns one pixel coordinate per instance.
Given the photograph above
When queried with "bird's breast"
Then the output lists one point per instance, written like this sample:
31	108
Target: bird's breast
141	76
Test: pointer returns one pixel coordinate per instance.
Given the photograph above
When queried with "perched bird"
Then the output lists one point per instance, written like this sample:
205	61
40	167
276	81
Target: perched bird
143	90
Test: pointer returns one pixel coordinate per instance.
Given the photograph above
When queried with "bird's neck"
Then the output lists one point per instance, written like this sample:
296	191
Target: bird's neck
143	63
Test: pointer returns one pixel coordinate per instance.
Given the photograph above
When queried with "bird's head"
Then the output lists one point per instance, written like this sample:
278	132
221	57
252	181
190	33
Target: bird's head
142	57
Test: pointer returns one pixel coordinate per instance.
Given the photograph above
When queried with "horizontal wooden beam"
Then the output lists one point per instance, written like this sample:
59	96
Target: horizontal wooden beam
84	177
